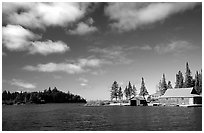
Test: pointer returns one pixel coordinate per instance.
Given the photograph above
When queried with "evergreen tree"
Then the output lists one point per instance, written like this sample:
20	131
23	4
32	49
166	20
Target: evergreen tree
134	91
114	90
143	90
120	93
198	82
188	77
164	86
126	93
130	90
169	86
179	80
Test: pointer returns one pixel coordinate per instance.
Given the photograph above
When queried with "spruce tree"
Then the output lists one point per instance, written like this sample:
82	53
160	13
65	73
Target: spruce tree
188	77
143	90
198	82
134	91
163	85
126	92
120	93
179	80
129	90
169	86
114	91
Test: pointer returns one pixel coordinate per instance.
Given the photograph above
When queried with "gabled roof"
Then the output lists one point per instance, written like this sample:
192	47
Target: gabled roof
179	92
137	98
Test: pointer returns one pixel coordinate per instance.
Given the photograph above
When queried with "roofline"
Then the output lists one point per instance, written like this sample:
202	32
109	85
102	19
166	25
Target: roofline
179	96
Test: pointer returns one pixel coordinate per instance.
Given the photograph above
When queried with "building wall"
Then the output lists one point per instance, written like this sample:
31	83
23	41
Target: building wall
174	101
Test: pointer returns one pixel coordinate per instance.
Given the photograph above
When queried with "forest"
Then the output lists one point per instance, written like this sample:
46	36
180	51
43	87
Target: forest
46	96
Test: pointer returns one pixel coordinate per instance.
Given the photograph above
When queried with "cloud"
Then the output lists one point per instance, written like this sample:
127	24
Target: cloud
90	62
41	15
48	47
83	84
130	16
112	55
83	80
56	67
84	28
17	38
146	47
175	47
21	83
79	66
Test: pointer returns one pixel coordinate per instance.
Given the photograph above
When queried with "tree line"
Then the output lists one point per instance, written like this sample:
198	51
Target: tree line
186	81
130	91
47	96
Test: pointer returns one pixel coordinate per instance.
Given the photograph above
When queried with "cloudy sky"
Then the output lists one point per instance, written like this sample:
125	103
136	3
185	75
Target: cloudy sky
84	47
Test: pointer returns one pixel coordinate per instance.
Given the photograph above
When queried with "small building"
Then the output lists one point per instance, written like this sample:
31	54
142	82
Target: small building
138	101
180	96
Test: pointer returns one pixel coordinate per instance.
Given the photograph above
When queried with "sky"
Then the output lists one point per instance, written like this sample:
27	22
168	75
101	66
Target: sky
84	47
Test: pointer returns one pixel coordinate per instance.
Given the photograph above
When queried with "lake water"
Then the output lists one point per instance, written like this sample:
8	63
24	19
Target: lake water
72	117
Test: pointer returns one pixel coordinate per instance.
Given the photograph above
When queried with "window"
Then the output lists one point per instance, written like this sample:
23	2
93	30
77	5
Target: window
182	98
166	98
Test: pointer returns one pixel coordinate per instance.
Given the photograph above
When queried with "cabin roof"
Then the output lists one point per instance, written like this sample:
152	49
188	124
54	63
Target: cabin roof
179	92
138	98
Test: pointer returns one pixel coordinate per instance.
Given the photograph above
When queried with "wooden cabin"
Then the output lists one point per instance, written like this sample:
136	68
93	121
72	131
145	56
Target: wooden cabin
138	101
180	96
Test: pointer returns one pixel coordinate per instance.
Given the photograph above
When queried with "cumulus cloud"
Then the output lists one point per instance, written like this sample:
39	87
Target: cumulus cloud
23	84
17	38
79	66
56	67
130	16
175	47
41	15
84	28
48	47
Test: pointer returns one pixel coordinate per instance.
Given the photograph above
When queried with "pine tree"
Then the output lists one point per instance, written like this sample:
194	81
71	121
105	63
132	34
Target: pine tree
120	93
134	91
198	82
179	80
169	86
114	90
188	77
163	85
143	90
129	90
126	92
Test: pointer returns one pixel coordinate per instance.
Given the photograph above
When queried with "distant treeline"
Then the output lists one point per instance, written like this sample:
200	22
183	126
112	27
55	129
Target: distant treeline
182	81
47	96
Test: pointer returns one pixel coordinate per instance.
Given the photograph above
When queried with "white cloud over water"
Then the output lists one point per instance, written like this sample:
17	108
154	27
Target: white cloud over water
79	66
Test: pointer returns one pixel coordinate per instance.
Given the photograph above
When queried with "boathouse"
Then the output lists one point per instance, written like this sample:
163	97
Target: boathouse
180	96
138	101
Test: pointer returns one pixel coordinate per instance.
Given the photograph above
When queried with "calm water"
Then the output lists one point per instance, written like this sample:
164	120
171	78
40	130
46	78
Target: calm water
77	117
